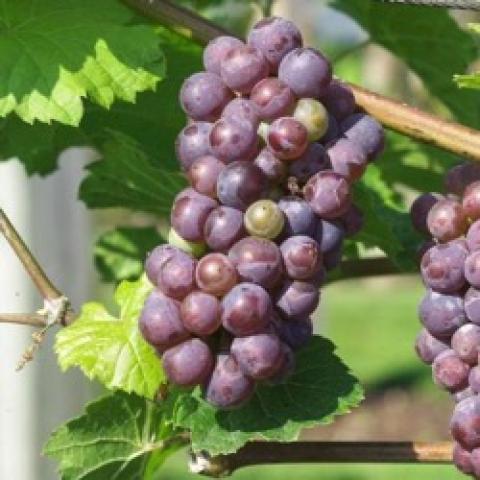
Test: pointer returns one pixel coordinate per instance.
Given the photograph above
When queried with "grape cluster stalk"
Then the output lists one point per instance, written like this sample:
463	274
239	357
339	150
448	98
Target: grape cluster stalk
271	148
450	309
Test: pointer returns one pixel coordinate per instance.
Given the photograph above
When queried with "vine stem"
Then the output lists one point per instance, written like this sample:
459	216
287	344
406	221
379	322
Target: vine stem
32	319
398	116
262	453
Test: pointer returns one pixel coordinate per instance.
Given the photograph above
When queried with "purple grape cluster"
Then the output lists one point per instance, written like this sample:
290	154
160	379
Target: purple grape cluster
271	149
450	309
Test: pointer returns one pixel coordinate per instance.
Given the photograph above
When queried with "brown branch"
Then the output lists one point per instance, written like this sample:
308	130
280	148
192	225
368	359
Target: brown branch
366	267
32	319
410	121
262	453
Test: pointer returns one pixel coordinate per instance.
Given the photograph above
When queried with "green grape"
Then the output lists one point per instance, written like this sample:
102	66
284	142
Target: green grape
314	117
263	130
264	219
196	249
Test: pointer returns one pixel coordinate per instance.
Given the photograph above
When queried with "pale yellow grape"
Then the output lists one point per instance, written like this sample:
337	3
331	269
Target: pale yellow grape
314	117
196	249
264	219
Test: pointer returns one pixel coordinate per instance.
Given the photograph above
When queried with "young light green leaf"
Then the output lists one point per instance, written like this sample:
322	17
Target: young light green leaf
471	80
117	438
320	389
111	349
57	52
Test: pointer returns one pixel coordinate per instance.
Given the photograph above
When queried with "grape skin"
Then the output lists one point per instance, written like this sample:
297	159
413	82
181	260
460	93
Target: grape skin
352	221
312	161
474	379
216	274
296	334
462	459
420	208
472	269
287	138
465	422
203	174
242	110
472	305
223	227
460	176
329	235
272	167
313	116
466	342
333	258
333	131
302	257
200	313
473	236
216	50
446	220
264	219
471	201
347	159
272	98
429	347
450	372
300	219
297	299
339	100
193	142
156	258
176	276
465	393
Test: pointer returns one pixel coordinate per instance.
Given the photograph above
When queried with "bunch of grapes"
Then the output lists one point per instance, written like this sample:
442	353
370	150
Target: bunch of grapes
271	148
450	309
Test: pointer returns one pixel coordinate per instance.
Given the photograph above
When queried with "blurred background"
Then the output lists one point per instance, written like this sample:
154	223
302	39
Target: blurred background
373	322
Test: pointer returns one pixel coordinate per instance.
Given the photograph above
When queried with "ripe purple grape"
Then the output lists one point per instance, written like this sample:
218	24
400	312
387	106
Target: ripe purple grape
313	160
272	98
300	219
329	235
472	305
216	51
446	220
302	257
203	174
465	423
328	193
193	142
240	184
465	393
473	236
243	67
246	309
472	269
466	342
287	138
275	37
450	371
286	369
420	208
333	131
352	221
460	176
333	257
188	364
272	167
471	201
216	274
189	212
297	299
242	110
296	334
429	347
200	313
474	379
347	158
462	459
339	100
306	71
223	227
156	258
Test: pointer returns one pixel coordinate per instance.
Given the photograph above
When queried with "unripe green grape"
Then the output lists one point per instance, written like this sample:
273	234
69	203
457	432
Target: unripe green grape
314	117
196	249
263	131
264	219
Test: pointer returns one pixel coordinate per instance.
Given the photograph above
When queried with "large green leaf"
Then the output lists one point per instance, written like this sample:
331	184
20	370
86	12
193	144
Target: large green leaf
111	349
320	389
119	437
471	80
429	41
56	52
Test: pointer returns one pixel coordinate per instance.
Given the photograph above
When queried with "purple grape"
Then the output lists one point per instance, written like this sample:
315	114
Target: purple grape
328	193
228	386
203	174
465	393
223	227
329	235
160	321
300	219
366	132
203	96
352	221
462	459
243	67
241	109
419	211
287	138
306	71
347	158
428	347
272	98
313	160
472	305
333	131
472	269
441	314
216	274
466	342
201	313
471	201
473	236
474	379
257	260
302	257
442	266
297	299
246	309
286	369
188	364
460	176
216	51
176	276
240	184
450	371
333	258
272	167
232	140
446	220
297	333
465	423
275	37
259	356
193	142
156	258
189	213
339	100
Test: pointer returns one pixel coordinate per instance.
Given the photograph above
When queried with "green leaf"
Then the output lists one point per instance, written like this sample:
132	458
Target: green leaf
55	53
117	438
469	80
111	349
429	41
125	177
320	389
120	253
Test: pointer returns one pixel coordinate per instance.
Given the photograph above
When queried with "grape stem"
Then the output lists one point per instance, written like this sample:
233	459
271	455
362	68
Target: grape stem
262	453
398	116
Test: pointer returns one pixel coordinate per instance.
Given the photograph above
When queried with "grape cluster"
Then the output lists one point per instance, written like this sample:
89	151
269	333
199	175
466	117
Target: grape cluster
271	149
450	309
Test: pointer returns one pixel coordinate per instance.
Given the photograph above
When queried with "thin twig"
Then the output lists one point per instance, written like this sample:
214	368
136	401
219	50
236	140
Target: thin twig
32	319
262	453
456	4
395	115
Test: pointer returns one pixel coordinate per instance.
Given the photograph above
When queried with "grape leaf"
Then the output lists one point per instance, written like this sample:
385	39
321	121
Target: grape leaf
125	177
112	349
471	80
56	52
120	253
118	437
429	41
320	389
